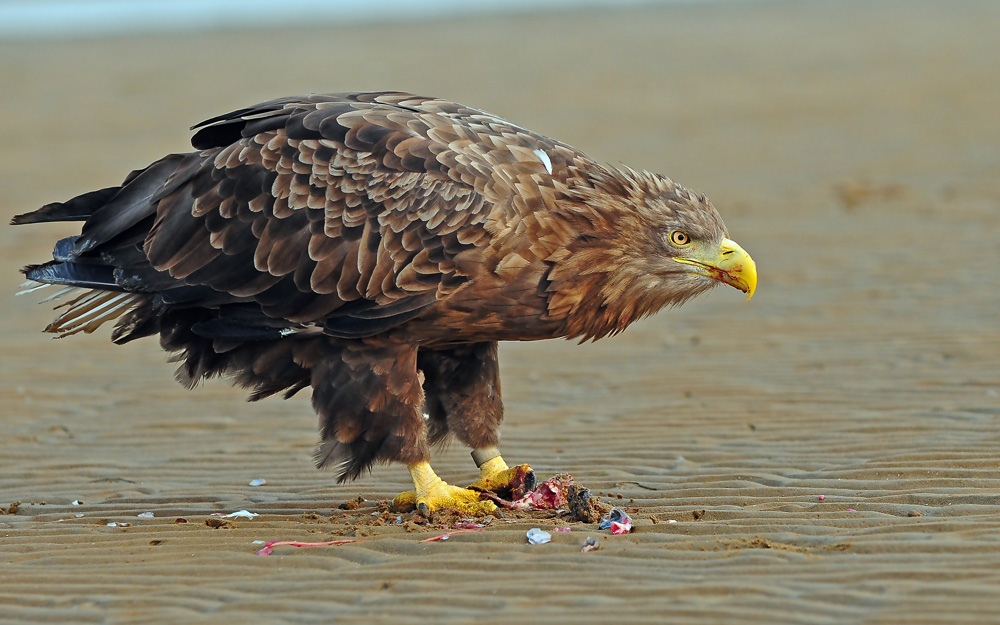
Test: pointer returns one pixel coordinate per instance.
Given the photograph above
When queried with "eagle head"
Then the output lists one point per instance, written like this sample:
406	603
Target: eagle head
643	243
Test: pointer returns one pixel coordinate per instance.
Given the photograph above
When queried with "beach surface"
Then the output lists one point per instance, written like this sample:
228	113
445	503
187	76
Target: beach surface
827	453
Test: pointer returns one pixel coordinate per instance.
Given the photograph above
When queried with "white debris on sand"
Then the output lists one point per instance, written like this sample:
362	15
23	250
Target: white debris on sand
536	536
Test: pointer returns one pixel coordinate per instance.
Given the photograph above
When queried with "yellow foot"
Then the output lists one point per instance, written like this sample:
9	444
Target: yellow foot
432	493
512	482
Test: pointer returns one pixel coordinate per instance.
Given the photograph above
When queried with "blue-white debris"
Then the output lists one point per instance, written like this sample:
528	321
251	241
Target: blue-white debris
538	537
617	521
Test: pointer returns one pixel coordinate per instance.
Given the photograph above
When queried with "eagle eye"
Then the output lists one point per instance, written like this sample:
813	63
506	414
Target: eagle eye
680	238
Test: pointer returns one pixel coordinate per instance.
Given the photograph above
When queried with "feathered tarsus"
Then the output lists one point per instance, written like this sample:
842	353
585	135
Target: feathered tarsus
375	247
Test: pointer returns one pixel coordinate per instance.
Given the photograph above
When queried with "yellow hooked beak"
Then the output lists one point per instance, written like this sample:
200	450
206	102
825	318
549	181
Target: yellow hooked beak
732	266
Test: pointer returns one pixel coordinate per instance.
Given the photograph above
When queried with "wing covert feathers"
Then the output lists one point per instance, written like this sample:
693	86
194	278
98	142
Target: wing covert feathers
355	212
306	205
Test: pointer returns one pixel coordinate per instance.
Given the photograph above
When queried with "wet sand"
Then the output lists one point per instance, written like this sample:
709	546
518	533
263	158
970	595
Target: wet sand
828	452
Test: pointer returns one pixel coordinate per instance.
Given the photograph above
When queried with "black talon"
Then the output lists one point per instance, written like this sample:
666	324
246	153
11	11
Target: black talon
529	481
424	510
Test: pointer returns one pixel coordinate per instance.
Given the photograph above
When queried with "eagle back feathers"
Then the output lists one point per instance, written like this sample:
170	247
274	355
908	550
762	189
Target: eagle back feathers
389	200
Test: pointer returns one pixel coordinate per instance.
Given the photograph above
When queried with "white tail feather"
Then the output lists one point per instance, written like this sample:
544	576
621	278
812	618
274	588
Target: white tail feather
86	296
61	292
89	310
96	307
30	286
96	320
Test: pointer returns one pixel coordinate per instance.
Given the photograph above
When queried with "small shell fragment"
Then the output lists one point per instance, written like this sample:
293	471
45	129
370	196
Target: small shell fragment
242	514
145	515
536	536
258	482
591	544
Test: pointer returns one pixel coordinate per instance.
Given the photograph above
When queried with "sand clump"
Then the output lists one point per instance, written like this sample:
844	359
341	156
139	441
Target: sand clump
585	506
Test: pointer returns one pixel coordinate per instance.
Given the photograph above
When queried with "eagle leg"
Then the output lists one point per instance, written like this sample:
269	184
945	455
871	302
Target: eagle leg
432	493
495	476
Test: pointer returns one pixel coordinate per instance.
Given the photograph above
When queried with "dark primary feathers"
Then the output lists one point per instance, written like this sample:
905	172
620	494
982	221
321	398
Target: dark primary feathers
308	239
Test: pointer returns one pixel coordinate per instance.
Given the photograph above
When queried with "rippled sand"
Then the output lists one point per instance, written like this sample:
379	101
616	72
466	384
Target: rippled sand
829	452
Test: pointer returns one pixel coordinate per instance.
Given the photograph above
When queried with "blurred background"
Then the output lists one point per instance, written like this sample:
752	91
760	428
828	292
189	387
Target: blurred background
852	147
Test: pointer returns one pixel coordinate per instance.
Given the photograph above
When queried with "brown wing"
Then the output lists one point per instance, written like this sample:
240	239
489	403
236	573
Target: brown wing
355	211
358	209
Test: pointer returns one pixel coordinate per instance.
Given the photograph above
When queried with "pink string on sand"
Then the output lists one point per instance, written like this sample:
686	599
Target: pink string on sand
448	535
269	547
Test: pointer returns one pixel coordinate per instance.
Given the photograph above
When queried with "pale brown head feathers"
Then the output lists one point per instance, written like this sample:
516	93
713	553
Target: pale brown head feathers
620	267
